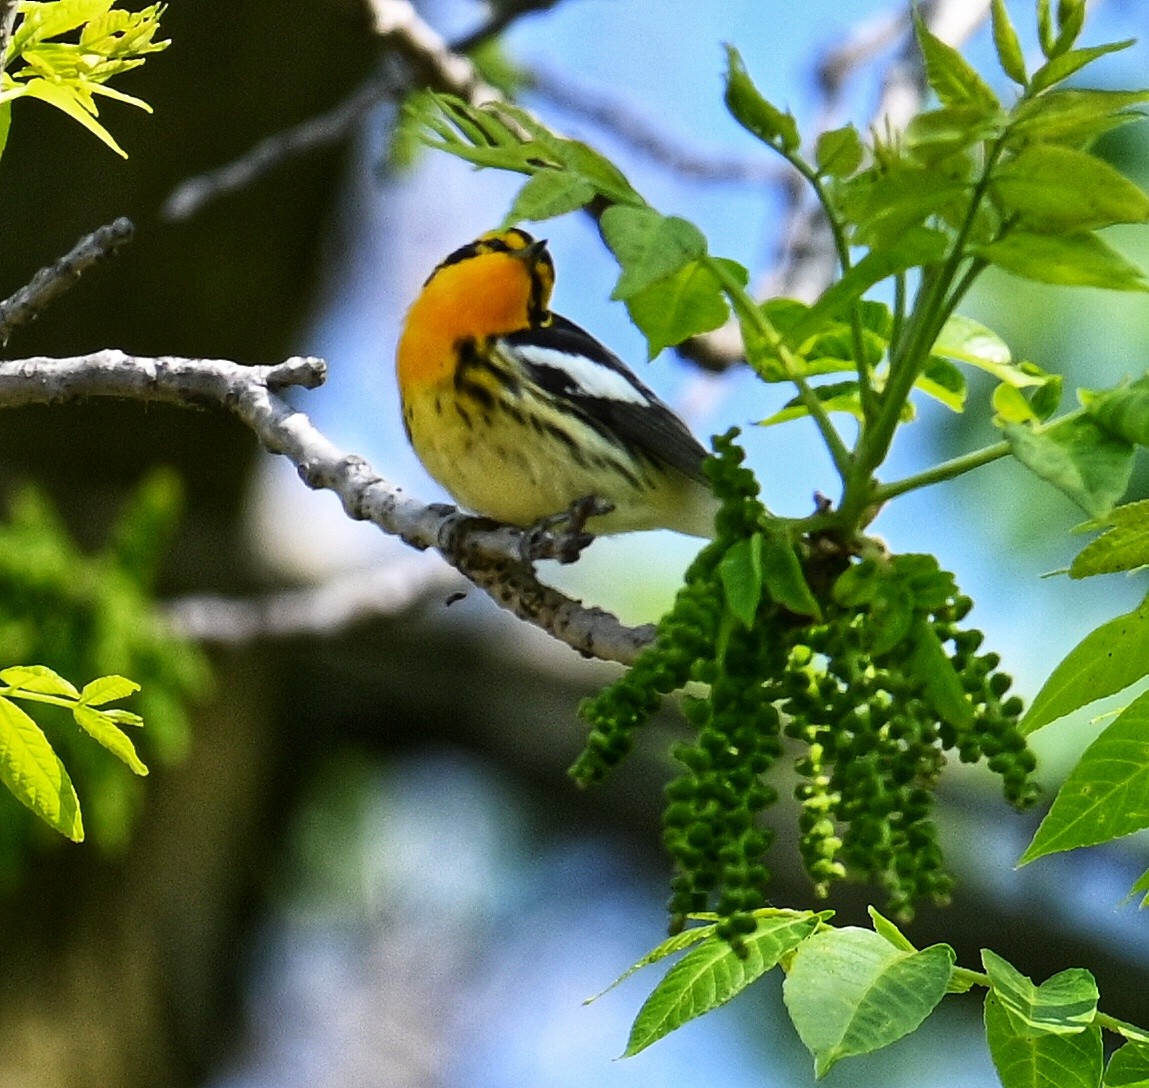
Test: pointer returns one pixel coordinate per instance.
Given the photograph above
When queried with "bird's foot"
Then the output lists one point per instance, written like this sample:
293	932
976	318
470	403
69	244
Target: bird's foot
563	536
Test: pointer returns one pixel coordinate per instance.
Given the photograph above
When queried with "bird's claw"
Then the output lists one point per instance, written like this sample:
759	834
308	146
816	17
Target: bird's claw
563	536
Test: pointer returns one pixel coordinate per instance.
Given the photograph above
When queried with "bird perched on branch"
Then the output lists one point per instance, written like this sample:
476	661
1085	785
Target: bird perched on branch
520	413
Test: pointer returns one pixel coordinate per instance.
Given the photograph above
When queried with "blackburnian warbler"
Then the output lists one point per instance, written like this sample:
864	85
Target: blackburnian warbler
519	412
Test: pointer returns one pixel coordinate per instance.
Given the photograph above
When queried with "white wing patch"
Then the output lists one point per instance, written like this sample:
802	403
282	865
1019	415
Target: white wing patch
591	378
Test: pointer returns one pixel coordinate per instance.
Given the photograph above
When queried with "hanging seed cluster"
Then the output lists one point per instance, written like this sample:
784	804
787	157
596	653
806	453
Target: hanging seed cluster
875	690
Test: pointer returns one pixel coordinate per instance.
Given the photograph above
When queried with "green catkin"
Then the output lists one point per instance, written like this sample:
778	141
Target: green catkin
856	690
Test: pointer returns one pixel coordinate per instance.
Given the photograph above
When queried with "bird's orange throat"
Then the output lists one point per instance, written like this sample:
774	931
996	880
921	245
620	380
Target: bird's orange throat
488	295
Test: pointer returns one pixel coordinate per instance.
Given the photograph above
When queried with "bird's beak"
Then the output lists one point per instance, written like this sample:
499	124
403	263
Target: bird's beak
533	252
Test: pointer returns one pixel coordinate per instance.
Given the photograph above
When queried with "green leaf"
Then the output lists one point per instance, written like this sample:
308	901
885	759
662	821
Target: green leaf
1008	46
675	943
1065	1004
103	729
1046	34
918	246
751	110
1011	406
1106	661
649	246
940	682
1061	67
505	137
1078	457
1074	116
1129	1031
888	600
48	20
834	397
784	577
1128	1068
1029	1061
1123	544
937	135
1070	20
888	200
850	991
951	77
838	152
943	381
1106	795
969	341
33	772
713	973
890	932
1045	398
741	572
682	305
1073	260
1061	189
548	194
65	99
1123	411
107	689
38	678
5	124
1141	888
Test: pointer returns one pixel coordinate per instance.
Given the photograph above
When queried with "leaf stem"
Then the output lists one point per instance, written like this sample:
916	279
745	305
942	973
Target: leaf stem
946	470
936	298
39	697
751	315
842	248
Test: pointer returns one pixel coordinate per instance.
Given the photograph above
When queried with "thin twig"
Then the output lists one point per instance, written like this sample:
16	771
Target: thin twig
191	195
7	25
389	590
432	60
646	138
51	282
491	558
504	15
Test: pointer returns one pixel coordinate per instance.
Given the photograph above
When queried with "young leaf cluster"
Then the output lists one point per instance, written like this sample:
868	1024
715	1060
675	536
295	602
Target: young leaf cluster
29	766
64	52
851	991
94	615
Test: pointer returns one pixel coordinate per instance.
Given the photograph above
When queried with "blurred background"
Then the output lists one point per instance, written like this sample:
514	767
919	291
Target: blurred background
358	860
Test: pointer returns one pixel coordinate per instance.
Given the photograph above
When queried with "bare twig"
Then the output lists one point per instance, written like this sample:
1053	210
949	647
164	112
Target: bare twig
491	558
647	139
432	61
506	12
51	282
328	128
387	590
7	24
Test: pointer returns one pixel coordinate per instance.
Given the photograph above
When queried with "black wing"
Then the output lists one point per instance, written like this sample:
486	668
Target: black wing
610	399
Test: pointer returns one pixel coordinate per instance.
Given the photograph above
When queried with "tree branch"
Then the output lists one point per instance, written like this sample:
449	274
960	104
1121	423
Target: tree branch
505	13
51	282
390	589
645	138
493	558
432	60
327	128
7	24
